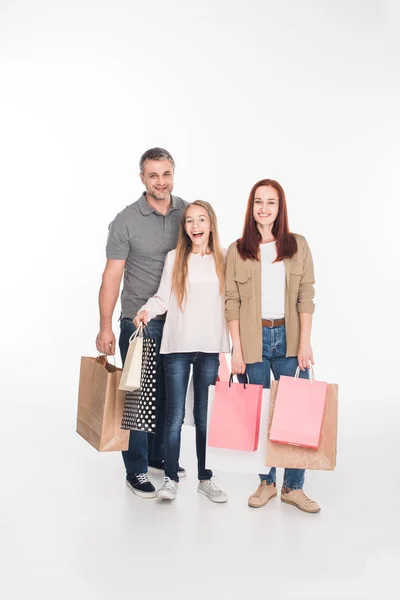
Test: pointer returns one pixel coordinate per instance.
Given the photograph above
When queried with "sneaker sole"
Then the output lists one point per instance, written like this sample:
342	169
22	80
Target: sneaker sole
212	499
139	493
261	505
311	512
155	470
165	495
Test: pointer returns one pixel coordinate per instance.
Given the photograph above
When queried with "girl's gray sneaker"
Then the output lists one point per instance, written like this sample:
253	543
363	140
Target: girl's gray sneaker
168	490
211	490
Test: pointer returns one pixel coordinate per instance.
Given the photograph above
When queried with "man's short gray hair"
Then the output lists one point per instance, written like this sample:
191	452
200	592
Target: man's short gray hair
155	154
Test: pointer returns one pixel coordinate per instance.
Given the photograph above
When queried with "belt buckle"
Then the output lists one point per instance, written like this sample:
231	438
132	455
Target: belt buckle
272	321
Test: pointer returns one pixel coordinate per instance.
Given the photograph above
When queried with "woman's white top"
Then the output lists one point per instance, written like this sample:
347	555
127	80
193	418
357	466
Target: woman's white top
272	283
201	326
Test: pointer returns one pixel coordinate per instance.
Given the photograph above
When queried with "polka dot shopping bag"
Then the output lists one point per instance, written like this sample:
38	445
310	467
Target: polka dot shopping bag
140	404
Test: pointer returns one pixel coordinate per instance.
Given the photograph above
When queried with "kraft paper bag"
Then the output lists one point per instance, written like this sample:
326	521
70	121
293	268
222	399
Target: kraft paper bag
132	370
240	461
294	457
100	405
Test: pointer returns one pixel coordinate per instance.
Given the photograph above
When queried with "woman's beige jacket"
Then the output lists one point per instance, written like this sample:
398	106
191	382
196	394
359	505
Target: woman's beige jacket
243	297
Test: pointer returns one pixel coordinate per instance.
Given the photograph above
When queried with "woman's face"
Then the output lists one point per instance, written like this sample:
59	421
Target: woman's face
198	225
266	205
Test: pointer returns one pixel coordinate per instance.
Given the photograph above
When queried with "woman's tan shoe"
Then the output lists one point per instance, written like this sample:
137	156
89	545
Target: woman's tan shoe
263	493
300	500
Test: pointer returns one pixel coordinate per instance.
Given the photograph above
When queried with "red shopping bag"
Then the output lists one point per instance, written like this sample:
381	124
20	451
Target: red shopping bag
299	411
235	416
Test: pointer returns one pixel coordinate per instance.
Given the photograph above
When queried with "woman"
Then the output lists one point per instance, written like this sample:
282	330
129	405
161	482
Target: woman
269	307
195	332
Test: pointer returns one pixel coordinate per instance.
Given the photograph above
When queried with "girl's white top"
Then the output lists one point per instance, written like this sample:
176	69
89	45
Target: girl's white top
201	325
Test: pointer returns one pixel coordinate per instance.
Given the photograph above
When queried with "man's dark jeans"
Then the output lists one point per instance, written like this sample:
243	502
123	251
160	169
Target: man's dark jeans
146	448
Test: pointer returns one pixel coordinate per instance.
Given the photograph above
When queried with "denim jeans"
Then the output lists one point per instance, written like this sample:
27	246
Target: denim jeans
177	371
274	359
146	448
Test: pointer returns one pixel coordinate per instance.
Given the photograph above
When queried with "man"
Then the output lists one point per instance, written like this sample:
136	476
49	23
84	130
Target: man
138	241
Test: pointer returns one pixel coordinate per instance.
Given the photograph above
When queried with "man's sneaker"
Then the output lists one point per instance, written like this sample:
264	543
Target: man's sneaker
160	466
263	493
211	490
168	490
300	500
141	486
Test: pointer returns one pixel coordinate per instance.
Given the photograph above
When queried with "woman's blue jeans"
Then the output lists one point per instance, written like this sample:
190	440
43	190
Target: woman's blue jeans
177	371
274	359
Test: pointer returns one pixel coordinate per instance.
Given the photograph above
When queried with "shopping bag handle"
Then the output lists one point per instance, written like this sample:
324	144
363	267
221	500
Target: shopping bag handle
231	380
141	331
311	370
103	359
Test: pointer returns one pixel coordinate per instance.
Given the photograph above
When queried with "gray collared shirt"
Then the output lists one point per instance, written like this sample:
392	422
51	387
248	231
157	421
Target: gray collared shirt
142	237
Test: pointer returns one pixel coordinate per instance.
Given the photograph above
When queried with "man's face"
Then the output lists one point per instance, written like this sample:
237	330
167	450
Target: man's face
158	178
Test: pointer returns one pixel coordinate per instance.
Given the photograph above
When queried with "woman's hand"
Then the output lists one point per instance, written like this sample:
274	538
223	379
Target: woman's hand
141	317
305	356
238	366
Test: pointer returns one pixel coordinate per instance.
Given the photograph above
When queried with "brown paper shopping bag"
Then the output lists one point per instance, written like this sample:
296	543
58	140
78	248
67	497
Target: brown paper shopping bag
100	405
295	457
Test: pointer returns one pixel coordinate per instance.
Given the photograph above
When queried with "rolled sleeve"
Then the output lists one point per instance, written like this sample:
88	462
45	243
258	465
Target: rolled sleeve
232	297
305	299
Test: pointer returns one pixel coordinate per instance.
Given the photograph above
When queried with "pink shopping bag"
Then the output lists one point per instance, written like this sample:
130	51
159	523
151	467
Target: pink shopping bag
235	416
299	411
224	372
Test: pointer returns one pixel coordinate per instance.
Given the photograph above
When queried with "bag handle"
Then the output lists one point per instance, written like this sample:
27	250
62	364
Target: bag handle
231	380
311	371
141	331
137	332
103	359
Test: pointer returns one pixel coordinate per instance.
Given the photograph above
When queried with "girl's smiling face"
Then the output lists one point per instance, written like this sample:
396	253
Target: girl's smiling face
198	226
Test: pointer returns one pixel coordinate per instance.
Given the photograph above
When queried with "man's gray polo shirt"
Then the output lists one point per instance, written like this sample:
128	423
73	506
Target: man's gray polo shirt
142	237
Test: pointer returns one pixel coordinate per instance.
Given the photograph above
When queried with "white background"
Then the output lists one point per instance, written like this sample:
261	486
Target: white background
305	92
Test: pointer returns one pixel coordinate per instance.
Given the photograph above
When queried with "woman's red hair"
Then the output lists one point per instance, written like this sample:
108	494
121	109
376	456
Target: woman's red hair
248	244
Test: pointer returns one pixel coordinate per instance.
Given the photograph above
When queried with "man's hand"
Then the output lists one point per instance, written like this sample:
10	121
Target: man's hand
105	341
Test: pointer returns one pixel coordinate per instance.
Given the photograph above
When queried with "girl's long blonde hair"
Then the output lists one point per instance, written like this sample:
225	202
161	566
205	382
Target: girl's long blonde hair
184	248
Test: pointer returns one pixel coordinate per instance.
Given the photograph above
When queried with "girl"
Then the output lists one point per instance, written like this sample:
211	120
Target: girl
195	332
269	307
